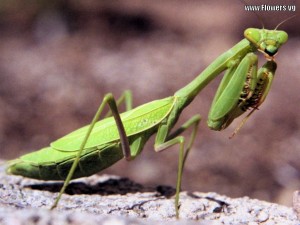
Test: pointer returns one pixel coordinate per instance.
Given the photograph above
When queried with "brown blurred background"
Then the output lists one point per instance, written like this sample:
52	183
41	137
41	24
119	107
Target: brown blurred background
59	58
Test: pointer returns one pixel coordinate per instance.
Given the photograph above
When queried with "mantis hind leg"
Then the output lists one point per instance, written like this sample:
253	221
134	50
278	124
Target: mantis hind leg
110	101
173	139
126	97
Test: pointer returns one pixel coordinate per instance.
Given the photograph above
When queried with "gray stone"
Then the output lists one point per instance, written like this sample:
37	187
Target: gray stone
118	201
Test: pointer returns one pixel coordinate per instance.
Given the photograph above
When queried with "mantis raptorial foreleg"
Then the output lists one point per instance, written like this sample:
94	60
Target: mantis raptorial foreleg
110	101
231	97
174	139
264	77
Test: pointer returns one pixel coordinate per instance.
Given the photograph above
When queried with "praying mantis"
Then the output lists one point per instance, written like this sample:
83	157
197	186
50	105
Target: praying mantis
102	143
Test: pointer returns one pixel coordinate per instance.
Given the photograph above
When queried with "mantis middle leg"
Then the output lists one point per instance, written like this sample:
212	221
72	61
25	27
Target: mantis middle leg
173	139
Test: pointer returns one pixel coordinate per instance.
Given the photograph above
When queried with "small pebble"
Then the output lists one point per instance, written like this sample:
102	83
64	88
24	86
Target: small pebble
262	217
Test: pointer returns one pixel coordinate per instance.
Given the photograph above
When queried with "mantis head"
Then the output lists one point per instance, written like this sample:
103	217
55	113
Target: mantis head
266	41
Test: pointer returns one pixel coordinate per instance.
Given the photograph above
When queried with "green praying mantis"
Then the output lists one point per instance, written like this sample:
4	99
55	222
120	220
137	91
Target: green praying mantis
102	143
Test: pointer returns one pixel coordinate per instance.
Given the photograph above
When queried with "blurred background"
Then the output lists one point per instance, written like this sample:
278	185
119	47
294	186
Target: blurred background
59	58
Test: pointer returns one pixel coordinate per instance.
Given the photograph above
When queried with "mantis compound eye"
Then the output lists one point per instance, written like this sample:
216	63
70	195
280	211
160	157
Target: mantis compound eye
253	35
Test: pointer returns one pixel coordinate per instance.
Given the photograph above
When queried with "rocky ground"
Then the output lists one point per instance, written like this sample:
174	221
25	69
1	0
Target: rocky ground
113	200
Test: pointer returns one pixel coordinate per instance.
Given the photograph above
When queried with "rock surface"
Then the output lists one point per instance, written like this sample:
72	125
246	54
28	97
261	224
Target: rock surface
118	201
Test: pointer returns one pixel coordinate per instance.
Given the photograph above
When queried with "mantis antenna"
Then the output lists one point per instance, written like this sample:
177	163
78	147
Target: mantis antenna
291	17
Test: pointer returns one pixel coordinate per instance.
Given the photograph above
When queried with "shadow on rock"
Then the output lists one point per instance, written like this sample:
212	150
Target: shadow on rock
112	186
